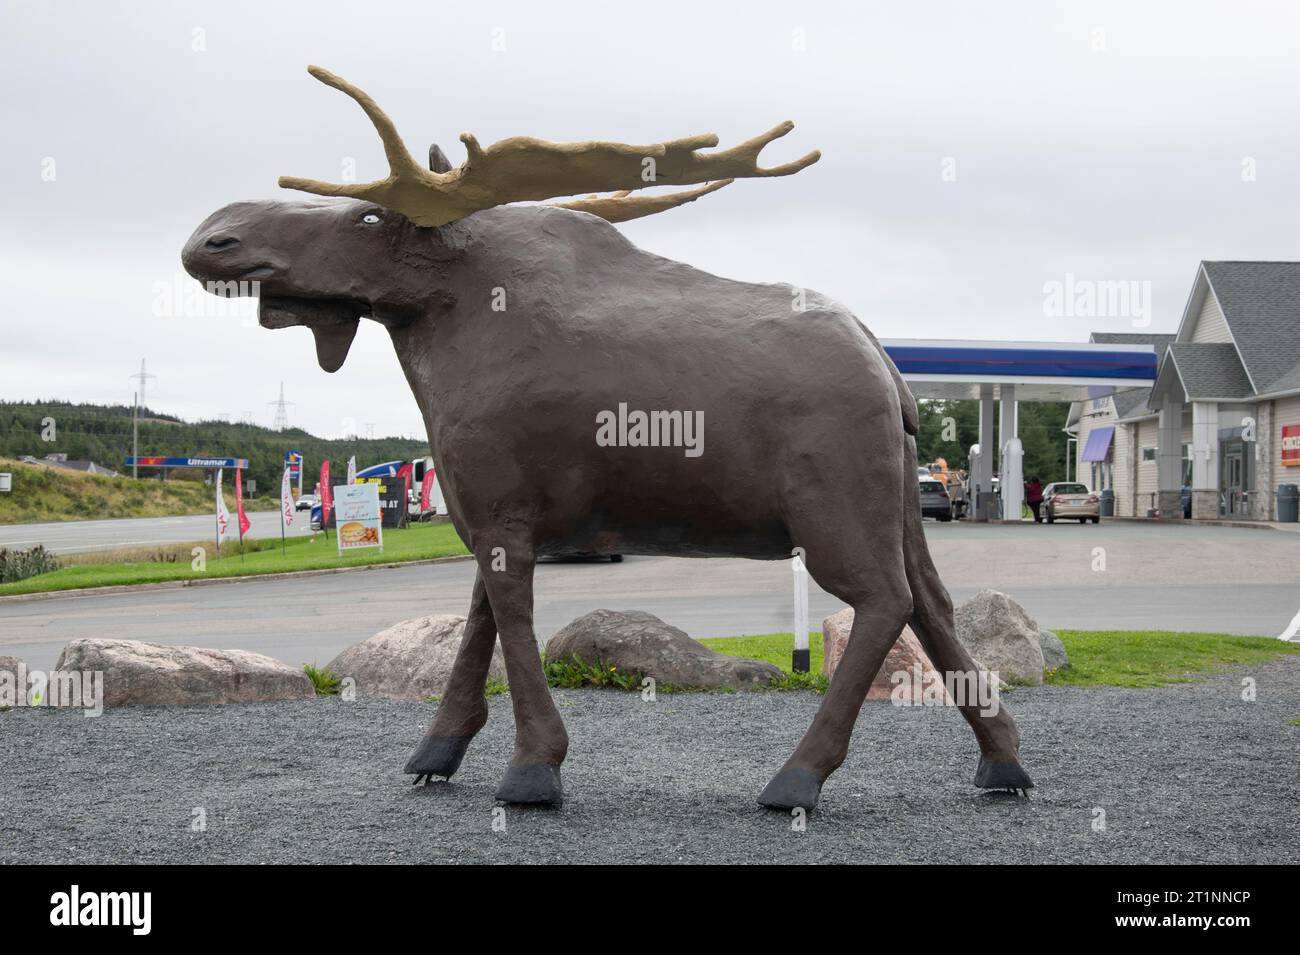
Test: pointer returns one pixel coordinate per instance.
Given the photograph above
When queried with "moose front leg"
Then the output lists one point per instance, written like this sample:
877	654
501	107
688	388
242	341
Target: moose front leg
541	742
463	709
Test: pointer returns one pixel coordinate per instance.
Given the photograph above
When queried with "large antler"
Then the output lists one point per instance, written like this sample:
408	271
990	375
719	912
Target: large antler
524	168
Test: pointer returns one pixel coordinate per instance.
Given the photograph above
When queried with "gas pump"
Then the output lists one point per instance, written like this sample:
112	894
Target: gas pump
1012	479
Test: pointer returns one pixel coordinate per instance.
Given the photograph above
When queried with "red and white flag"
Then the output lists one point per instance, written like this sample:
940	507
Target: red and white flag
286	499
326	495
426	491
406	474
244	524
223	515
352	469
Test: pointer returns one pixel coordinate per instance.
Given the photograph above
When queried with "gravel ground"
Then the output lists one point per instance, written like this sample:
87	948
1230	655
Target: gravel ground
1189	773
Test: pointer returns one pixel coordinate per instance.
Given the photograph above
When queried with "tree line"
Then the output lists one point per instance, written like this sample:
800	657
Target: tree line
102	433
1039	427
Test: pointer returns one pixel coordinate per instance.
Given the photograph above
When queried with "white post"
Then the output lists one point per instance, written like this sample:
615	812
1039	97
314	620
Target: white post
1205	460
982	467
1009	471
799	661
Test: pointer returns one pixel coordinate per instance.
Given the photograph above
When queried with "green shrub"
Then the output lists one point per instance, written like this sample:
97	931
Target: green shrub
20	564
325	682
572	674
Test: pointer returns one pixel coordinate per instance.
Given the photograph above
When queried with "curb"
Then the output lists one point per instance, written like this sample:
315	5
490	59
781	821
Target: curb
1248	525
211	581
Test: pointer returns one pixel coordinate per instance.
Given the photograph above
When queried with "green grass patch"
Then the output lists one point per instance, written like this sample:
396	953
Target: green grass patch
773	648
1146	658
1132	658
572	674
418	542
324	680
45	493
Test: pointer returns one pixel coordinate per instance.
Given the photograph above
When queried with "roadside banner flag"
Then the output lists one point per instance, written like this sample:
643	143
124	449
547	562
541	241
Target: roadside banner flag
352	469
244	524
406	474
426	491
223	515
286	499
326	495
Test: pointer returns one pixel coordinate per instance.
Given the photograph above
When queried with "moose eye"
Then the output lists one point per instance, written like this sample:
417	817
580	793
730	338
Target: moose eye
371	219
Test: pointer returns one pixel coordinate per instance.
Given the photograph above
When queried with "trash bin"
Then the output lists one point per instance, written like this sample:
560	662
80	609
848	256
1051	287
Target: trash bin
1107	503
1288	503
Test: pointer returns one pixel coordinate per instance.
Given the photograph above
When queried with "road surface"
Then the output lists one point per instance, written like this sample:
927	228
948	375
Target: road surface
68	537
1116	575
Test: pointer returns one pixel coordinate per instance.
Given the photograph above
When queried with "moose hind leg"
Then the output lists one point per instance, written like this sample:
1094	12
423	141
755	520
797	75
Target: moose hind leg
541	743
932	622
879	614
463	709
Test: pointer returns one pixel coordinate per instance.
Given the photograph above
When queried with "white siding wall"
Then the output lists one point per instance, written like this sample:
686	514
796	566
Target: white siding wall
1210	324
1286	411
1148	478
1122	451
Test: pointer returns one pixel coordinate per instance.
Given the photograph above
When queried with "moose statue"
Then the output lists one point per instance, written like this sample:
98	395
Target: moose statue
523	329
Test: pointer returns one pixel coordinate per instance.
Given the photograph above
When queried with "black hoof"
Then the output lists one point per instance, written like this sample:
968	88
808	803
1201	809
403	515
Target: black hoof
792	789
1001	775
536	784
437	756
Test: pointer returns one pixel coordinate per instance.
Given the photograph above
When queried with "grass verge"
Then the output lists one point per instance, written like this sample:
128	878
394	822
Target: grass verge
418	542
42	492
1146	658
1129	658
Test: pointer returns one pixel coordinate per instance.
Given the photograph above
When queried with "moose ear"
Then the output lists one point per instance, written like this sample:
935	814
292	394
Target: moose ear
438	161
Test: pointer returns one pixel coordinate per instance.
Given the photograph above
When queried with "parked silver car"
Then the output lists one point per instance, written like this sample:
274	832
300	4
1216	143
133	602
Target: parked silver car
934	499
1068	500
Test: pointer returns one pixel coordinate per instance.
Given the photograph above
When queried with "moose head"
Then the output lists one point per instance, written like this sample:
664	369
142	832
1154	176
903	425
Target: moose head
520	328
327	264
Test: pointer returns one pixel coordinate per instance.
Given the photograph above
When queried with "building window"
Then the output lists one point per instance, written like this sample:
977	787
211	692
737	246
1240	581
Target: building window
1148	454
1187	465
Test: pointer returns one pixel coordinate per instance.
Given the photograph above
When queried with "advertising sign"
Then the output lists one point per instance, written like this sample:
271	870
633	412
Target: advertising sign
1291	446
156	461
293	461
326	501
286	501
223	515
357	517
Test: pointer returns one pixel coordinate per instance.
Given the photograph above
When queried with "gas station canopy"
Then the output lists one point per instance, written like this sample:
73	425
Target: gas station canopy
1036	371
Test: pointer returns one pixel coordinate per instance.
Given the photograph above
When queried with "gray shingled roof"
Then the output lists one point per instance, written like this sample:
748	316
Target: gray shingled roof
1210	370
1131	404
1261	302
1288	382
1133	338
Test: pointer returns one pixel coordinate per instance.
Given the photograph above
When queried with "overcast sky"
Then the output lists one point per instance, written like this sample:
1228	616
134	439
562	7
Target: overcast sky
1110	141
